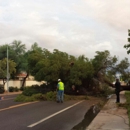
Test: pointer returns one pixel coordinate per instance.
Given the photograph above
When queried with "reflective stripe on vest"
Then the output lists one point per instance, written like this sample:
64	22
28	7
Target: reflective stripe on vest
61	86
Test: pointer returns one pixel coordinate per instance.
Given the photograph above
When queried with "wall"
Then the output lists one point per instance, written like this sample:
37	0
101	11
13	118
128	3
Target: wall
18	83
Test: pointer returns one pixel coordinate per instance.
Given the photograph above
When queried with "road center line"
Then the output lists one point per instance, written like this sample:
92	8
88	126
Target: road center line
34	124
17	106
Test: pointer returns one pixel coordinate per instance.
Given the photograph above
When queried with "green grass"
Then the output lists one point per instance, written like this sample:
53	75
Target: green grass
127	94
126	104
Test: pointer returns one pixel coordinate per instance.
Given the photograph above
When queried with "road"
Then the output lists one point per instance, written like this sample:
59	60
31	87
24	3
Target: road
43	115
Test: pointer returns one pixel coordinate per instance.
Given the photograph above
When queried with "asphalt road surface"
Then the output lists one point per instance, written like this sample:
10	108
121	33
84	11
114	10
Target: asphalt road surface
44	115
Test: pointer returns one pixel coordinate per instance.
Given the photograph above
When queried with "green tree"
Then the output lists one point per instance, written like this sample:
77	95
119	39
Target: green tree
103	62
51	66
18	47
11	54
127	46
123	69
3	69
82	72
3	51
35	47
16	51
19	50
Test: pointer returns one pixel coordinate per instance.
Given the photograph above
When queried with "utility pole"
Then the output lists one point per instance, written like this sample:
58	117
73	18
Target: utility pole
7	69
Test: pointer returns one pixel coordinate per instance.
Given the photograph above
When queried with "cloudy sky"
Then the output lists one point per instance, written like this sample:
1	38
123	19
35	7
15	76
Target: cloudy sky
78	27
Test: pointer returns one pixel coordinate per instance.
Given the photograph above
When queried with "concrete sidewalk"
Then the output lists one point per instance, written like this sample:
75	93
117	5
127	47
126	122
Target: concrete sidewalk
111	117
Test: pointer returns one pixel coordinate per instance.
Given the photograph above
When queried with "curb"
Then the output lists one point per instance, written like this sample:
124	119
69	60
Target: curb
10	93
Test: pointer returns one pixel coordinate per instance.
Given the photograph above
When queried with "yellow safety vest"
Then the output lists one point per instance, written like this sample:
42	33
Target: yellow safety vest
61	86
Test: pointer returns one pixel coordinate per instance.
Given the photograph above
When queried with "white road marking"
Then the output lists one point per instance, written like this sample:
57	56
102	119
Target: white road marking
34	124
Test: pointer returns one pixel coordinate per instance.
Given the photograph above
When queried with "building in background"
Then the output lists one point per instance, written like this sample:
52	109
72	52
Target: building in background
19	80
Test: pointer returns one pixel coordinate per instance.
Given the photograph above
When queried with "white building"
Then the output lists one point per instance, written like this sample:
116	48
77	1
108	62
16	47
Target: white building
18	82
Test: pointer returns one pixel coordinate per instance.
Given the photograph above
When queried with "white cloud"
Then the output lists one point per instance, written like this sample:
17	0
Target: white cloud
72	26
114	13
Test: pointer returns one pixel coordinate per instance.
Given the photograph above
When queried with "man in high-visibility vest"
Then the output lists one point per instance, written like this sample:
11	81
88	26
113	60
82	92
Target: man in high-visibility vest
60	87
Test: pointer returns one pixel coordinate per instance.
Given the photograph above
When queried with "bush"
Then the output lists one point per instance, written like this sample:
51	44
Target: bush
35	97
29	91
13	89
127	94
106	92
40	96
20	98
34	89
16	89
2	90
23	98
51	96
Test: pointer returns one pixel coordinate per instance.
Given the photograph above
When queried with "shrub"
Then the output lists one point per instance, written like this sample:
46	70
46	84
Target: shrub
16	89
29	91
21	88
11	89
34	89
51	96
40	96
104	91
35	97
20	98
127	94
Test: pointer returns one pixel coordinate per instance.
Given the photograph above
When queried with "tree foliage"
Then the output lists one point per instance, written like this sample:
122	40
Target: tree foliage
19	49
3	68
127	46
50	66
78	71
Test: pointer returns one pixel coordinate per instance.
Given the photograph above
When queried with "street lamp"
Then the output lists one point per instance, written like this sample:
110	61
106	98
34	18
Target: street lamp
8	76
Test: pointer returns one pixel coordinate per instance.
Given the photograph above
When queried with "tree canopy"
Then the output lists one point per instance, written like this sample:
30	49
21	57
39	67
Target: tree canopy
50	66
127	46
3	68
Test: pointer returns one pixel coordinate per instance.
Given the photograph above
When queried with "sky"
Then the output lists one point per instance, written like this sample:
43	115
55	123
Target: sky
78	27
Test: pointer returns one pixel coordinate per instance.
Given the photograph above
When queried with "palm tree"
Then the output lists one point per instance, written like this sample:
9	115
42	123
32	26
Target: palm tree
18	47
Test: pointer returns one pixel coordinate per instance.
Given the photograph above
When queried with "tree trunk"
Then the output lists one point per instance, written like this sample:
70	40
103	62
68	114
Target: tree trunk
4	81
24	80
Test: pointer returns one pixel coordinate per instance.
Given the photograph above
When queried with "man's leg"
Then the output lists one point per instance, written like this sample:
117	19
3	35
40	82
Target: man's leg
58	96
117	97
57	99
62	96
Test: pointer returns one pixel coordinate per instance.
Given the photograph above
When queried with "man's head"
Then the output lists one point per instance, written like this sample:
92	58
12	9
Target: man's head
59	80
117	80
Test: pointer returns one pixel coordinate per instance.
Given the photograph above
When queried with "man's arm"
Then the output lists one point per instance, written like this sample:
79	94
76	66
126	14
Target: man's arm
57	87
